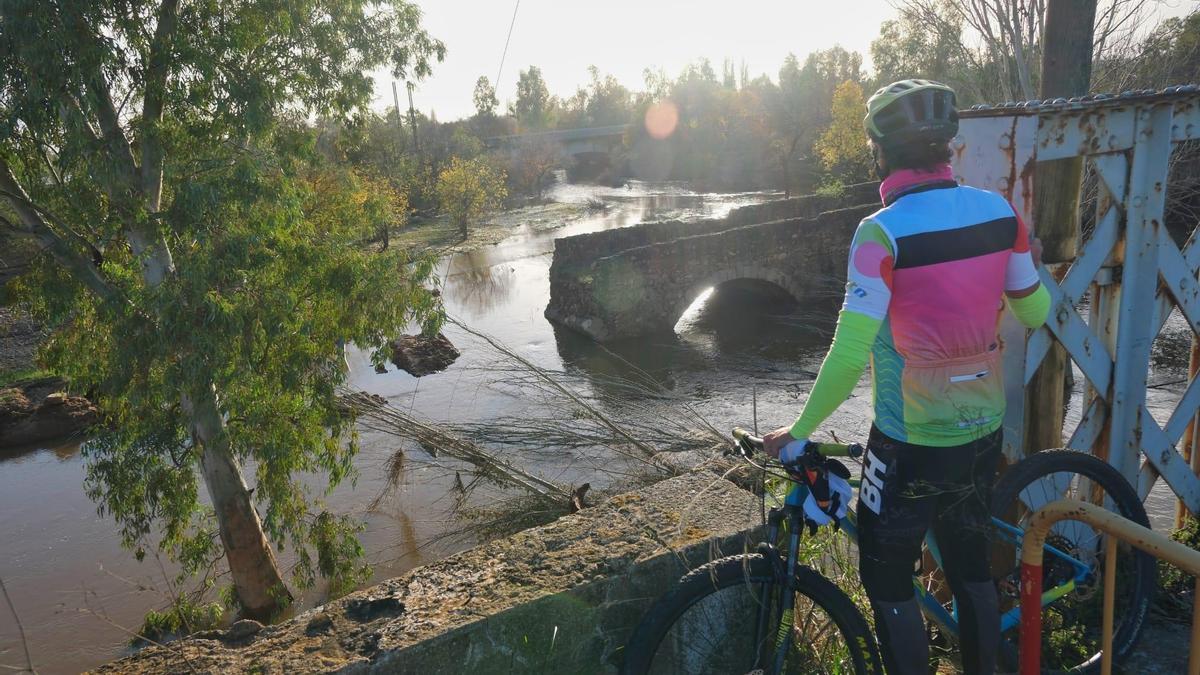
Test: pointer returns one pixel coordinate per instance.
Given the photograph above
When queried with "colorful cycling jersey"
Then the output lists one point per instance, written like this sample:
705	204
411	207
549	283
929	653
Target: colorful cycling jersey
933	265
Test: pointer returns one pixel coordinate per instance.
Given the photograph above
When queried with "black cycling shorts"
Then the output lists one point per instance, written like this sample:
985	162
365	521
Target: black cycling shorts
906	490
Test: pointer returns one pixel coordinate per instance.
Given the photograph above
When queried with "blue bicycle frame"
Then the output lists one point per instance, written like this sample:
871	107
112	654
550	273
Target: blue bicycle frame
930	606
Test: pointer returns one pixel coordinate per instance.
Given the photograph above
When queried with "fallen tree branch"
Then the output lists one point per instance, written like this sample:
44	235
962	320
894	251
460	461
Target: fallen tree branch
20	627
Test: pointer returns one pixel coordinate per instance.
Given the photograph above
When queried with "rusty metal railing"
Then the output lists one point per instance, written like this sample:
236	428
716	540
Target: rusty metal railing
1117	529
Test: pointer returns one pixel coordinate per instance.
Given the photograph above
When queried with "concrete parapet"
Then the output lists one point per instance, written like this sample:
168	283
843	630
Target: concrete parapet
561	598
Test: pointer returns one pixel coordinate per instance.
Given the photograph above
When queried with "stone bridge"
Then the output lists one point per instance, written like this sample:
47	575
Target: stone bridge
638	280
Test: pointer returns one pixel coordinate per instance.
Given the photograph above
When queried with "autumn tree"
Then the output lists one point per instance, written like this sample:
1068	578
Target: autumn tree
199	265
530	165
469	189
843	145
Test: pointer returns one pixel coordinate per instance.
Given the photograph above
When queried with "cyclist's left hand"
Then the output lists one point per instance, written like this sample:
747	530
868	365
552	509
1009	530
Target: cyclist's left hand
774	442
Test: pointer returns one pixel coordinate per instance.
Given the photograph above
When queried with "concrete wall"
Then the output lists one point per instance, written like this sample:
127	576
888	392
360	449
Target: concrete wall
562	598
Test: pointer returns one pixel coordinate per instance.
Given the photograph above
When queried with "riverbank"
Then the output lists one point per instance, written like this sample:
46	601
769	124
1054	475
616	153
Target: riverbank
438	235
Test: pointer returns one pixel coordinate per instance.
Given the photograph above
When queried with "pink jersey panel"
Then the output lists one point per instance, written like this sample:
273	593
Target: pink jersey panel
936	310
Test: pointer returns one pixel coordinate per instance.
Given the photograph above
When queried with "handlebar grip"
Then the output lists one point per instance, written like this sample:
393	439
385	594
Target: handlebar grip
853	450
745	435
840	450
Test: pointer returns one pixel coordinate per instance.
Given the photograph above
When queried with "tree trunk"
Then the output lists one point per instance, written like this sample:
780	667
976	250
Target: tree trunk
1066	72
260	589
252	565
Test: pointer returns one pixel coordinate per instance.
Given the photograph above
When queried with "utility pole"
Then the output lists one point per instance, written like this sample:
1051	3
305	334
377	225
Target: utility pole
412	121
1066	72
399	118
387	240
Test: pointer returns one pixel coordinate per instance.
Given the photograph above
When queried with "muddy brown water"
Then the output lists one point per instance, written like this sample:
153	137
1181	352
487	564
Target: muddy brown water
79	594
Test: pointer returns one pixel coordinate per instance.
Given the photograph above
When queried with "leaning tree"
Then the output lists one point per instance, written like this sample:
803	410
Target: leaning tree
200	264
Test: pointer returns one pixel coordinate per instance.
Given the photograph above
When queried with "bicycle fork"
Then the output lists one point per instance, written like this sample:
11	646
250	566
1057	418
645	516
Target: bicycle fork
775	628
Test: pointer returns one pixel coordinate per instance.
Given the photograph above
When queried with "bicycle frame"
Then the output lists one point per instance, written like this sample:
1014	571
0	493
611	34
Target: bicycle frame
930	606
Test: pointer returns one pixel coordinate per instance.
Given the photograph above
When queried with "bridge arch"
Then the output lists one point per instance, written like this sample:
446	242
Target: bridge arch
766	284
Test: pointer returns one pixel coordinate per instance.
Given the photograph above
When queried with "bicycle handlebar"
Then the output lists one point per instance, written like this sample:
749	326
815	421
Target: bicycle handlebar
853	450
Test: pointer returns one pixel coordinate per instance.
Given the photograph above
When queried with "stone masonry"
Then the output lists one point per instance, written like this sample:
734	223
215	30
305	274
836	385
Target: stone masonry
637	281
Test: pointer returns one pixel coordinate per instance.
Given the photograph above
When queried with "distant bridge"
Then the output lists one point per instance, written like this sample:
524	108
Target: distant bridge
573	141
591	148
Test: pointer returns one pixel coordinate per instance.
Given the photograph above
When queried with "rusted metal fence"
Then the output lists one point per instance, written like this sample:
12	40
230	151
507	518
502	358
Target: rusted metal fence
1117	529
1128	267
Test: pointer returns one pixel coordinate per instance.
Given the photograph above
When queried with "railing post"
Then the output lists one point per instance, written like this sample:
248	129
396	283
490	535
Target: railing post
1110	587
1194	654
1030	645
1144	203
1115	527
1188	444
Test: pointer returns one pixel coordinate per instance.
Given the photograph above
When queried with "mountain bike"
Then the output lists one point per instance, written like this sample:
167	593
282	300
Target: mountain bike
768	612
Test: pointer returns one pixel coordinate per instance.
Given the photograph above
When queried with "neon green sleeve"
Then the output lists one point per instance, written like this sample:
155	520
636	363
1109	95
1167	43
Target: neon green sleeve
843	365
1032	309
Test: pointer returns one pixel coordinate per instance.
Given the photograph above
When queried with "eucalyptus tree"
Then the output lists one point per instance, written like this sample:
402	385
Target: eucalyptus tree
200	264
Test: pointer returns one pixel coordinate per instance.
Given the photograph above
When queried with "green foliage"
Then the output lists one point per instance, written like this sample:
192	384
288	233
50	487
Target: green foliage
533	106
469	189
16	376
1178	589
1169	55
843	145
485	97
267	272
604	102
182	617
831	188
339	553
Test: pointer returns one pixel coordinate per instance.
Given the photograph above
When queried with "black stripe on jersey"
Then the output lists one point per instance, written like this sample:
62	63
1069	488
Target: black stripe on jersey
921	187
930	248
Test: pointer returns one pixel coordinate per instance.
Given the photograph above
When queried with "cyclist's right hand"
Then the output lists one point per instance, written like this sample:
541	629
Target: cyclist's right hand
774	442
793	452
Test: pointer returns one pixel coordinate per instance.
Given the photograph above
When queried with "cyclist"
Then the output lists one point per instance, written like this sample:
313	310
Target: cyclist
927	277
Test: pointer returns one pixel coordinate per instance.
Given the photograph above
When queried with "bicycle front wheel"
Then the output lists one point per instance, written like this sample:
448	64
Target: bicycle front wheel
1072	624
726	617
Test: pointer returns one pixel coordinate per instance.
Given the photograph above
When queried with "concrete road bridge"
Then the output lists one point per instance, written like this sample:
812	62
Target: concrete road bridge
591	149
639	280
573	141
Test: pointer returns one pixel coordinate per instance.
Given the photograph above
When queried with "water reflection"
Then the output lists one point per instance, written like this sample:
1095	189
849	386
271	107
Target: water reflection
62	450
741	327
479	288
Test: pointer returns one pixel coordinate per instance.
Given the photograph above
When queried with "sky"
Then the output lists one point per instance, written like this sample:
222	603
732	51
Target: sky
624	37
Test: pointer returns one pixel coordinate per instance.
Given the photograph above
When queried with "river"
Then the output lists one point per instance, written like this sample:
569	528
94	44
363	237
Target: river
79	594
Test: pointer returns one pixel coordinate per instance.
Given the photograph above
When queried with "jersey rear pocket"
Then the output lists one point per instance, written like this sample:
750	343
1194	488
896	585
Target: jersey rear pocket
955	396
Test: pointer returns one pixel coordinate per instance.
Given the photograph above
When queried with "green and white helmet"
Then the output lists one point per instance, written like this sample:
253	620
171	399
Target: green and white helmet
911	111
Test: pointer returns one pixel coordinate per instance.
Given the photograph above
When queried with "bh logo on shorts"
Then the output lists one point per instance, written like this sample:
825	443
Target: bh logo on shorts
871	492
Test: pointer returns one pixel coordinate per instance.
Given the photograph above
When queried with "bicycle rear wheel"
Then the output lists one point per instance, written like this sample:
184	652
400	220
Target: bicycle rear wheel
1071	634
709	624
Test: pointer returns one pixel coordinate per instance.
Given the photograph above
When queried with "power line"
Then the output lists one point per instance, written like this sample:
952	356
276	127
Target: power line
504	54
